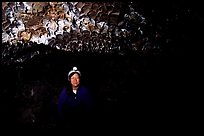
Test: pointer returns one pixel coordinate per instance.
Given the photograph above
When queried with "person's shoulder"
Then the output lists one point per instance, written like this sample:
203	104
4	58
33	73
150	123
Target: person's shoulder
84	89
63	90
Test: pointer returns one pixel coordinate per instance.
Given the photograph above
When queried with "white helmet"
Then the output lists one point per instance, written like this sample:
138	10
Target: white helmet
74	70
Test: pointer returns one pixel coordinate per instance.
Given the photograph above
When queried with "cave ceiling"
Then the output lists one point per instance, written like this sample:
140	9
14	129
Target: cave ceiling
95	27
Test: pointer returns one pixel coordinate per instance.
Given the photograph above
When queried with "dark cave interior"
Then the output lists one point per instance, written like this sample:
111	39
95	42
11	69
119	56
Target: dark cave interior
129	85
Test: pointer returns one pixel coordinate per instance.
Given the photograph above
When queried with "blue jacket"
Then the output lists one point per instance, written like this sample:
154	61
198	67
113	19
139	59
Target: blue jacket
71	105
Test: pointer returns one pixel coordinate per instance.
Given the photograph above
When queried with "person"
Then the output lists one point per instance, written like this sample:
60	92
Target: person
75	103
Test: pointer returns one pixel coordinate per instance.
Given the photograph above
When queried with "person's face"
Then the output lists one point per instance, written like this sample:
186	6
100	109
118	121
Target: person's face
75	80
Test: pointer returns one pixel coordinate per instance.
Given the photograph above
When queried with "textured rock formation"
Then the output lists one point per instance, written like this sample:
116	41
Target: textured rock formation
99	27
